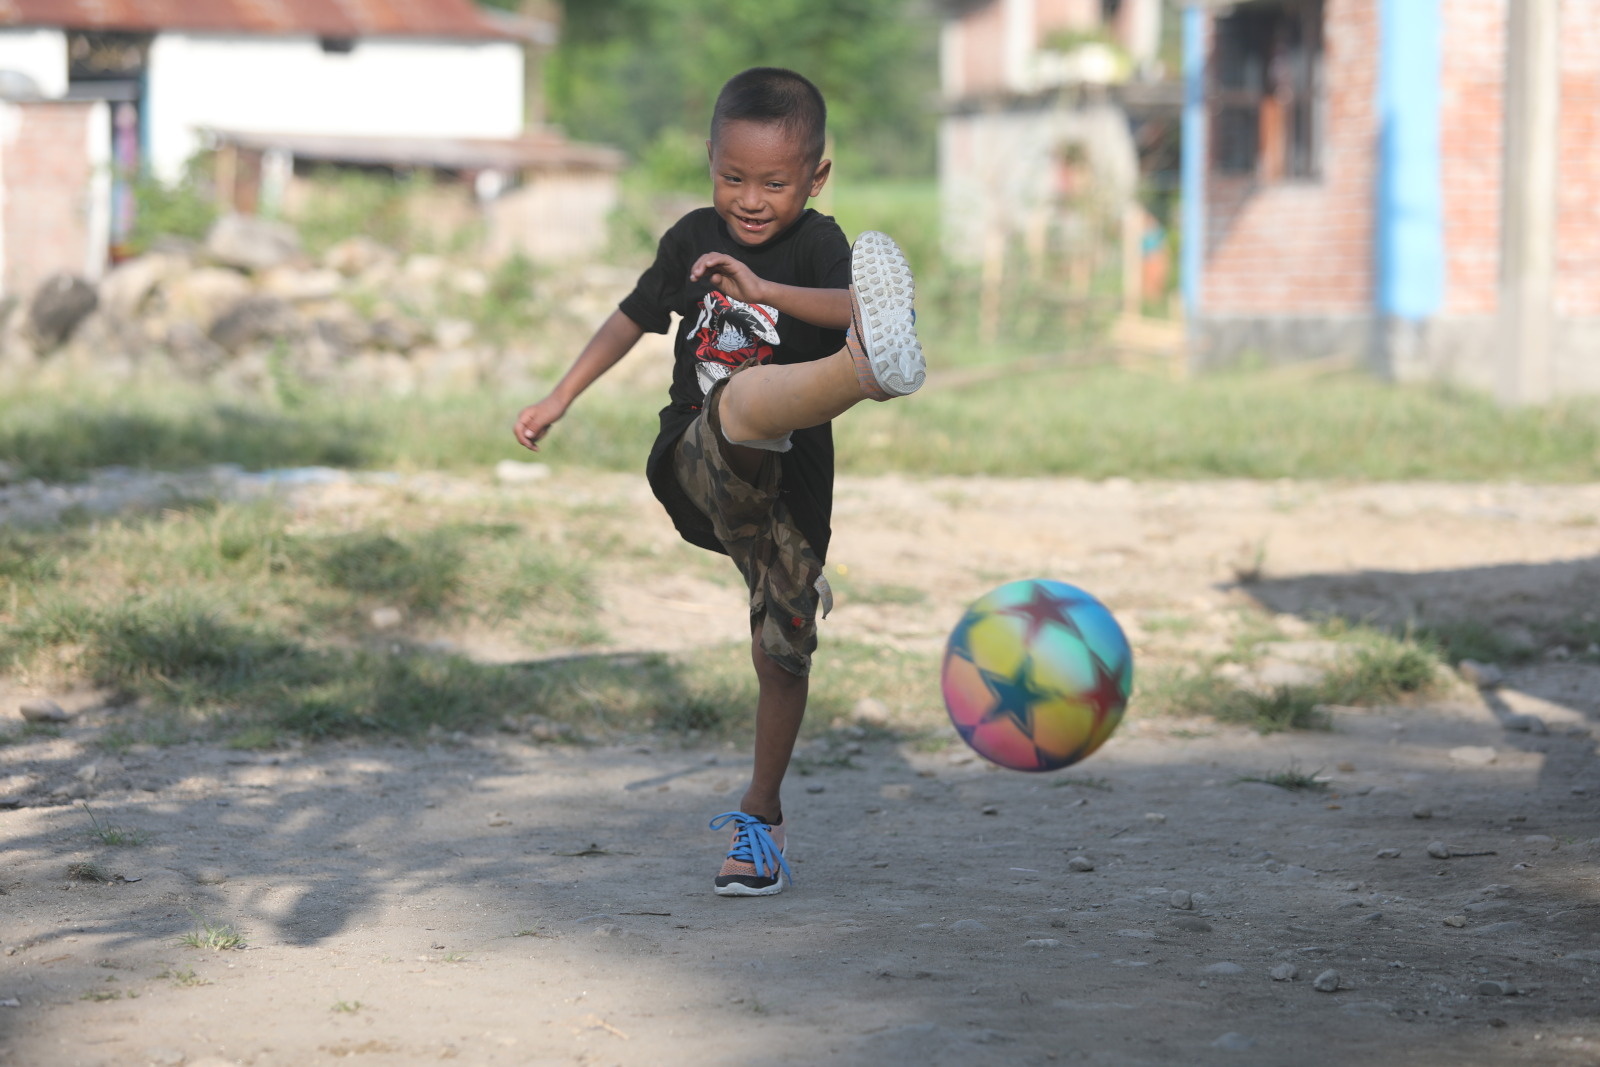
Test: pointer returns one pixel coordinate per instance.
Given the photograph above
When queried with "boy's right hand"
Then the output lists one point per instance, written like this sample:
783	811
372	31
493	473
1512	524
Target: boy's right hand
535	421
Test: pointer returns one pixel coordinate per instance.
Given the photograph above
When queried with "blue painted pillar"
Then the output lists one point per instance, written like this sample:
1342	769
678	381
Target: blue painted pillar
1410	224
1192	265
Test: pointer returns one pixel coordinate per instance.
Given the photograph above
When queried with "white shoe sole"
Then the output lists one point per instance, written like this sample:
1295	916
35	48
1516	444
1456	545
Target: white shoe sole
886	322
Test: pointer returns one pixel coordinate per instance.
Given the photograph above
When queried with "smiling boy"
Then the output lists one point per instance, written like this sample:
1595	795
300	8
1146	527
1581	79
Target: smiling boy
782	326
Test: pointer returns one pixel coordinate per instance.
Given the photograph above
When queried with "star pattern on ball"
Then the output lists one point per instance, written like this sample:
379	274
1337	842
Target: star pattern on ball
1106	694
1042	608
1014	696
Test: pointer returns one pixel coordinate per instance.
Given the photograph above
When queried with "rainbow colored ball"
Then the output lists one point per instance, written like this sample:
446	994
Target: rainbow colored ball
1036	675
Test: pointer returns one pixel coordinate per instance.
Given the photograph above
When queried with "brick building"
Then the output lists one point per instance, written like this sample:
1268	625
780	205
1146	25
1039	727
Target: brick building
1352	190
55	199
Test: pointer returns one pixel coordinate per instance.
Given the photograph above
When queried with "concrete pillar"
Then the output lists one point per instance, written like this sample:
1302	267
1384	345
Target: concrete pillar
1193	163
1528	201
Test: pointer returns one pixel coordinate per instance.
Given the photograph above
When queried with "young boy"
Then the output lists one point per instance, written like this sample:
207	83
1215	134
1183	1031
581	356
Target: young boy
783	326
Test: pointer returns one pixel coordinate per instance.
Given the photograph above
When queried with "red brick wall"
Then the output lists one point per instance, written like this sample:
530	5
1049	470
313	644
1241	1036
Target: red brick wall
1471	152
1578	189
1299	246
46	171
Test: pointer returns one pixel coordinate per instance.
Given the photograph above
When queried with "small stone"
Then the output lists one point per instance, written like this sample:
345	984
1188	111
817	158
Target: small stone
1474	755
1181	899
1490	988
609	930
1080	864
42	709
816	787
1457	921
1326	982
10	1002
1370	917
873	710
1154	817
1284	972
989	809
968	926
386	618
1388	853
519	472
1438	850
87	773
1422	813
1234	1042
1042	942
210	876
1482	675
1223	968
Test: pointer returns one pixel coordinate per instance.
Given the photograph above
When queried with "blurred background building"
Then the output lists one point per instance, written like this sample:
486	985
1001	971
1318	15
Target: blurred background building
92	94
1410	182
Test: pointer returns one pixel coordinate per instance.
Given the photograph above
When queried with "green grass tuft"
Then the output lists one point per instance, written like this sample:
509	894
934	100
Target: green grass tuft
218	937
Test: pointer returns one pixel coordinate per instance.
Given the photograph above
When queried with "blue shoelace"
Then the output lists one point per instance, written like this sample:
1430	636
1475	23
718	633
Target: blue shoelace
753	844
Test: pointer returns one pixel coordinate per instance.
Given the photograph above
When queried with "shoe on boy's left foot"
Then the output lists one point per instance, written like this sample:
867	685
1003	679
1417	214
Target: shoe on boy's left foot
883	335
755	866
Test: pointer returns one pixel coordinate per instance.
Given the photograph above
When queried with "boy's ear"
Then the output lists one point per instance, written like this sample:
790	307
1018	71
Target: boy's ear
819	177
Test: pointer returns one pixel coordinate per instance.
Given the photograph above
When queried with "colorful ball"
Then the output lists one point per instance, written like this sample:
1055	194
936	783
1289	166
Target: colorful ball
1036	675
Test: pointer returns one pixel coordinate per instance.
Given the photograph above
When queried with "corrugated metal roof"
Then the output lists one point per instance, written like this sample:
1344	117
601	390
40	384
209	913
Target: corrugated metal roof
325	18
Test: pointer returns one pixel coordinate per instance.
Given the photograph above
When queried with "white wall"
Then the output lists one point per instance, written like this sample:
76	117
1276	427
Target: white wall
41	54
97	211
386	87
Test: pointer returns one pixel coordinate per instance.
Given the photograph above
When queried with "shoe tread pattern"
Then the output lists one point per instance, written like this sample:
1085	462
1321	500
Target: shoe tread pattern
885	291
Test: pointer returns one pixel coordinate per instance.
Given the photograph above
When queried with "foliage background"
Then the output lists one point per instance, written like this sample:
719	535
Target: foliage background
643	75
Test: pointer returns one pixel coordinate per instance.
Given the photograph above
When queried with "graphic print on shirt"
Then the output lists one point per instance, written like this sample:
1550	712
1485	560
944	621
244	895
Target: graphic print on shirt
730	332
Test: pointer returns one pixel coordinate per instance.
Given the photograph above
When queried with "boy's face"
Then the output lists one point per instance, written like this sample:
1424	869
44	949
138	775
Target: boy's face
761	178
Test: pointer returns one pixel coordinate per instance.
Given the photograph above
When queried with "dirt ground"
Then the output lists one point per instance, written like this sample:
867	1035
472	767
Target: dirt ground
493	900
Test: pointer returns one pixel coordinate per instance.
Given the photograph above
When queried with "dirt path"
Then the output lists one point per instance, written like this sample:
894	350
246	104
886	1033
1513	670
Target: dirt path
491	900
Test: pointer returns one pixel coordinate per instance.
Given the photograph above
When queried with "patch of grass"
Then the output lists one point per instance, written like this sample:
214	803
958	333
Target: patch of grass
89	871
1473	639
115	836
30	731
1291	778
103	994
218	937
1077	420
1376	668
1083	782
186	977
346	1007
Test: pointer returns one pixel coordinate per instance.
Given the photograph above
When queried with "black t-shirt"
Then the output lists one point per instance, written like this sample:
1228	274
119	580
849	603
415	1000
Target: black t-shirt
716	334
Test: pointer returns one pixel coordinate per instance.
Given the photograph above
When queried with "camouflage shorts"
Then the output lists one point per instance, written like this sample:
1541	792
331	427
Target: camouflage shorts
783	573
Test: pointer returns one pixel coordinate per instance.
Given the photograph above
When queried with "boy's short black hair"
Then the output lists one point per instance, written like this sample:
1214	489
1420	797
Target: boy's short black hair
778	96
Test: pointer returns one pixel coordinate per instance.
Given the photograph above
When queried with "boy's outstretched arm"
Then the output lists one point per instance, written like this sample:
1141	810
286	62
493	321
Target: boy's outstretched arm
610	343
828	308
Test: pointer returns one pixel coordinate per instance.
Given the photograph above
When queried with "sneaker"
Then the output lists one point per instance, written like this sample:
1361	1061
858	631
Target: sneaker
755	865
888	356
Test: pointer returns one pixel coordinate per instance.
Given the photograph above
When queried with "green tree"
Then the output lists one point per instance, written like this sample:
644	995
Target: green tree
643	74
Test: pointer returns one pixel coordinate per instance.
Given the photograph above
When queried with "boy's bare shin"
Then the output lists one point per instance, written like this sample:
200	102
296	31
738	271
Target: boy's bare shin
768	401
